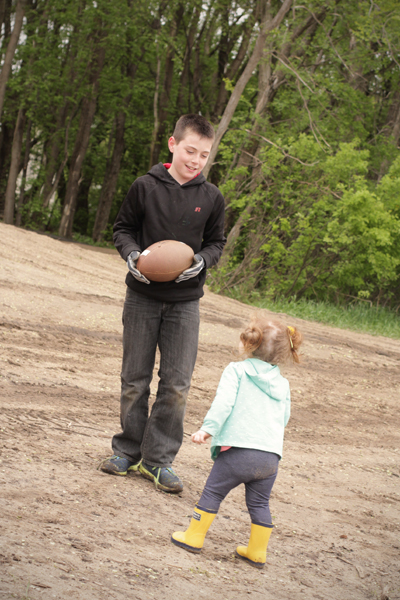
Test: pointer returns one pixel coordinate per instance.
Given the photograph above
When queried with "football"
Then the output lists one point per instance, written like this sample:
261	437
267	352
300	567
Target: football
165	261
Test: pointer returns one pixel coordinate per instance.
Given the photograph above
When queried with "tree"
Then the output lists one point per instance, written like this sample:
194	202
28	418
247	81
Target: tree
81	143
304	98
266	26
12	45
14	168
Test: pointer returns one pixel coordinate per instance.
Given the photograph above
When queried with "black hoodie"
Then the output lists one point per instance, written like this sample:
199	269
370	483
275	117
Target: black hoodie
158	208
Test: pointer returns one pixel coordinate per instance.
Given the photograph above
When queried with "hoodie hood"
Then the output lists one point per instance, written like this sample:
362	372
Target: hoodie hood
265	377
161	173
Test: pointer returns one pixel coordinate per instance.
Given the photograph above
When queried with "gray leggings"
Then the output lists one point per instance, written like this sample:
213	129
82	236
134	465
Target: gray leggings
255	468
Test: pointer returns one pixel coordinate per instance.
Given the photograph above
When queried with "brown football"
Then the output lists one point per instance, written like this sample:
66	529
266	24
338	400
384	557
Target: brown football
165	261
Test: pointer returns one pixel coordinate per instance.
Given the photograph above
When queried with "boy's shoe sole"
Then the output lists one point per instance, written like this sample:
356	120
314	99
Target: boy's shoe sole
117	465
164	478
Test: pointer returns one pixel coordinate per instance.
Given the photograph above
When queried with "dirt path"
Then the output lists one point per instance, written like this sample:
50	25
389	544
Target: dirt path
69	531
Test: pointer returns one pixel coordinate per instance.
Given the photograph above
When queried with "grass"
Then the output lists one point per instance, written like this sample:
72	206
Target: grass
357	317
86	239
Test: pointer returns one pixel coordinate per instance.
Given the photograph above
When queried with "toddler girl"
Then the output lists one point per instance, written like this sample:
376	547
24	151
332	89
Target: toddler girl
246	421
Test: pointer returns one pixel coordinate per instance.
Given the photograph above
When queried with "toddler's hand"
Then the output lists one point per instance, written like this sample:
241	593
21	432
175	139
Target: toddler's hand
200	437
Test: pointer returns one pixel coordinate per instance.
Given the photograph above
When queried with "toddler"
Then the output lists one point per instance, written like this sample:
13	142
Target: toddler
246	422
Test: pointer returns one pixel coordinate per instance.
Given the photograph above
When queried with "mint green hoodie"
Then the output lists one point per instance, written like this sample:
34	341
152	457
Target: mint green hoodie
251	408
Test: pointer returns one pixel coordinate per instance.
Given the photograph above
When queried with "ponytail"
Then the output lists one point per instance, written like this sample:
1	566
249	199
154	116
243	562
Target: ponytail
295	339
251	338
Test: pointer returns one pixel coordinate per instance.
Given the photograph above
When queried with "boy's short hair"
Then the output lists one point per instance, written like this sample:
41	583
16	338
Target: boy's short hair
196	124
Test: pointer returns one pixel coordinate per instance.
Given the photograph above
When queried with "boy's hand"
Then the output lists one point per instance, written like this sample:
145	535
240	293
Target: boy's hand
193	270
200	437
131	262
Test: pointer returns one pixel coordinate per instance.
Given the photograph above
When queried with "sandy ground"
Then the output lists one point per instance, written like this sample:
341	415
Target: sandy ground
69	531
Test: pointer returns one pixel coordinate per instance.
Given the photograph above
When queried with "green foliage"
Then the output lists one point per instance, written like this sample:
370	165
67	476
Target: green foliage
317	219
311	177
323	231
85	239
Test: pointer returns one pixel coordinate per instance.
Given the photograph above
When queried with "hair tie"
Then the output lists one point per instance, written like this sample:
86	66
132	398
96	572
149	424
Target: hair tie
291	332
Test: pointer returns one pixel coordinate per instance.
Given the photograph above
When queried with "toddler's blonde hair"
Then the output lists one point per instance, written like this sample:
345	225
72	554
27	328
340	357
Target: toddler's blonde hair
270	340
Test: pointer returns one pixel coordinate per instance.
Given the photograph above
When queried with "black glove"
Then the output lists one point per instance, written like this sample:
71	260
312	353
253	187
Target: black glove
131	262
193	270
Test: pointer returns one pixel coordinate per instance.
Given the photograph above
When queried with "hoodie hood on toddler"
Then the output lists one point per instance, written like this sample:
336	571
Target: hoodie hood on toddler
266	377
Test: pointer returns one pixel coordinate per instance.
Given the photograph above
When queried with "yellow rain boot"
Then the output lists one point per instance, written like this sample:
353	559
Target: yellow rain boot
193	538
256	551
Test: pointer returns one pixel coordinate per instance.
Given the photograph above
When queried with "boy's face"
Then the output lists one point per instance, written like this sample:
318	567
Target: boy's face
189	156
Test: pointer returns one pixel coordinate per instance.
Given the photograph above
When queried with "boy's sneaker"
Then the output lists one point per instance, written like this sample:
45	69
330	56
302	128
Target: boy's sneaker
118	465
164	478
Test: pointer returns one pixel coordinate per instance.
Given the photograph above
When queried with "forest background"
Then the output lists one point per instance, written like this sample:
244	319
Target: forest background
305	100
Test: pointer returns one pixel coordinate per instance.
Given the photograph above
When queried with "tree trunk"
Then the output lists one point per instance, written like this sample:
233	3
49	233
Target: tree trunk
48	199
267	87
235	66
18	220
2	11
113	167
266	26
197	69
81	218
6	141
14	168
392	129
7	23
78	156
81	146
53	164
12	45
110	180
166	87
234	234
53	160
155	111
184	104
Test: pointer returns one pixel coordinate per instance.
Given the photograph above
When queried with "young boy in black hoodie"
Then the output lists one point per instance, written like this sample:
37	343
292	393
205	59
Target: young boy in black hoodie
172	202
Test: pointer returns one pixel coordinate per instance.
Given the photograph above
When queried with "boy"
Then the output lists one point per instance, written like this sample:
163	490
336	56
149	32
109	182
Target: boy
173	201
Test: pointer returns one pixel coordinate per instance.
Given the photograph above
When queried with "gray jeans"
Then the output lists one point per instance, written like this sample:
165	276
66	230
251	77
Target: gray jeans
174	328
255	468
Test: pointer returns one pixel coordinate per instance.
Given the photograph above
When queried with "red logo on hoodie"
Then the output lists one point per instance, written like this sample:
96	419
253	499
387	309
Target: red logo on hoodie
197	209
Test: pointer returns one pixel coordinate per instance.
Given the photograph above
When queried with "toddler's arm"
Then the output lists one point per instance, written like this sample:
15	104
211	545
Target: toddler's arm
200	437
223	402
